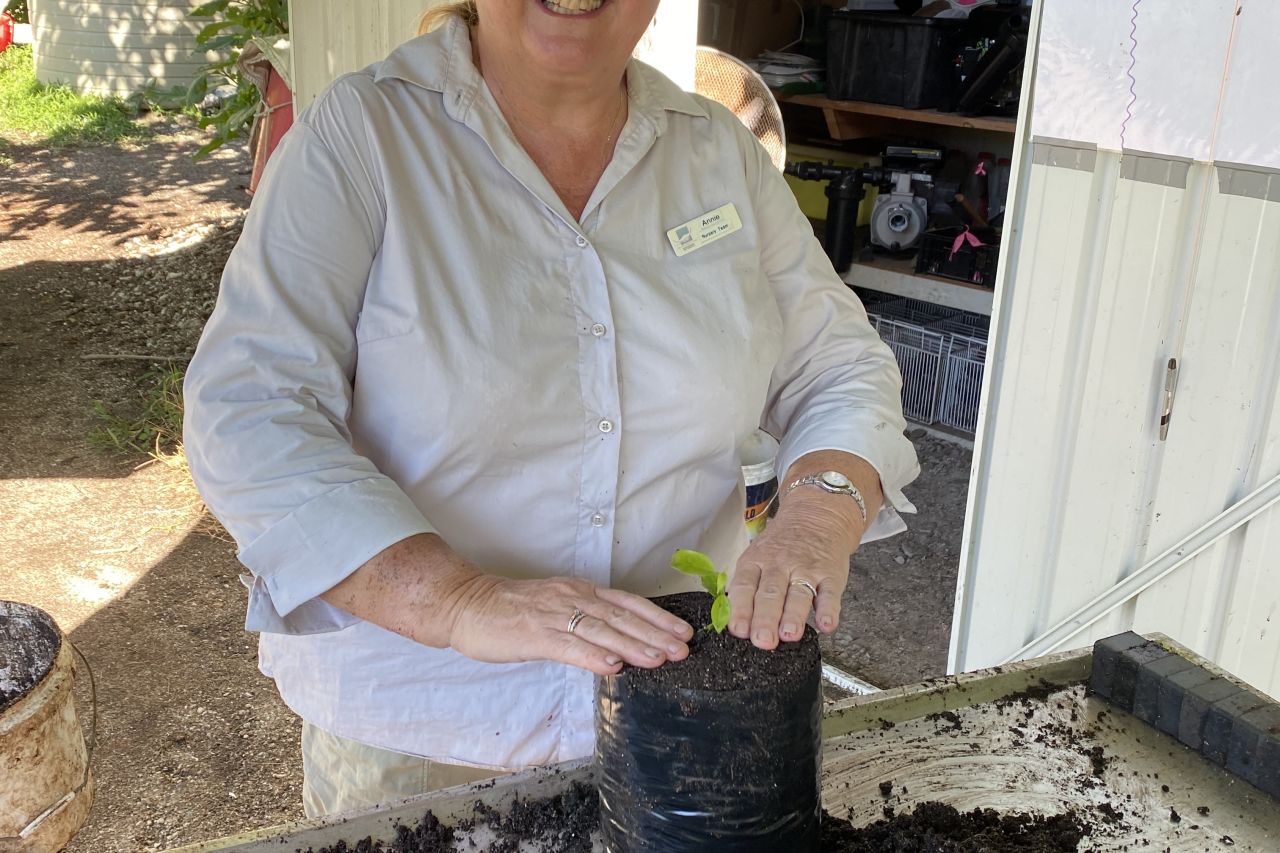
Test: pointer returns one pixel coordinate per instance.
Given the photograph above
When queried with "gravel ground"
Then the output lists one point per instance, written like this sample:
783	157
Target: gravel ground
110	252
897	610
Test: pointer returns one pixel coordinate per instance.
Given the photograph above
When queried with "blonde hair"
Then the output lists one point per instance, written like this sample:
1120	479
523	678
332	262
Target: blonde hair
438	16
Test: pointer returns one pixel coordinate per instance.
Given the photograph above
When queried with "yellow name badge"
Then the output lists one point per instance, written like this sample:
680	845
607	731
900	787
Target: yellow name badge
707	228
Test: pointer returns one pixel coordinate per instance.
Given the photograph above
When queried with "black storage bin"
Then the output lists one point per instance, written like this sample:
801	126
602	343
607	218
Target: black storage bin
893	59
939	255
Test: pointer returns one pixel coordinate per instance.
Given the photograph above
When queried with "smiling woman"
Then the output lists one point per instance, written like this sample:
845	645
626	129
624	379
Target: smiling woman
477	369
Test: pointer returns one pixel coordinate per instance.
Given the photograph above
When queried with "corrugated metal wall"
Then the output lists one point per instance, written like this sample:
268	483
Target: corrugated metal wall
332	37
116	47
1119	259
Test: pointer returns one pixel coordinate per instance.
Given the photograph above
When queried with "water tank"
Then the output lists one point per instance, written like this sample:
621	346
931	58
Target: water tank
116	47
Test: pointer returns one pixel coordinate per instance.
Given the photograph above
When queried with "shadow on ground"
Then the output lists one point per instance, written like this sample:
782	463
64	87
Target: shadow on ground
190	735
64	326
115	193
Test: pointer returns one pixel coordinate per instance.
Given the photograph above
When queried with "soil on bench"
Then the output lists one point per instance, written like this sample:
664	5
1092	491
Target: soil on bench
939	828
565	824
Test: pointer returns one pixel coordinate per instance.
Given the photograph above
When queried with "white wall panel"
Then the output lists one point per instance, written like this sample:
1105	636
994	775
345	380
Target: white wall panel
116	47
1225	408
1072	434
1114	263
333	37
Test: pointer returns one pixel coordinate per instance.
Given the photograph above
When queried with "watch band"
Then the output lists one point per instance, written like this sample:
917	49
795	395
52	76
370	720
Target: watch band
817	480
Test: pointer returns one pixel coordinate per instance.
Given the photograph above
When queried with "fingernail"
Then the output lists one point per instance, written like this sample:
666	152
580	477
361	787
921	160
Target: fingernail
685	629
788	628
612	660
653	653
675	650
740	628
763	637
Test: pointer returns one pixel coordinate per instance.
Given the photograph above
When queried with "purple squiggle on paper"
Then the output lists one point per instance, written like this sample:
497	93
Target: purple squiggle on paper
1133	81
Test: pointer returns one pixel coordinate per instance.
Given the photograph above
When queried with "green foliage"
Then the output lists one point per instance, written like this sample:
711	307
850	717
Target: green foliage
17	9
155	427
231	23
700	566
31	112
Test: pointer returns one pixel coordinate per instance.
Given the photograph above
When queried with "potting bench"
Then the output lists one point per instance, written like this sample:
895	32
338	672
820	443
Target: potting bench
1022	737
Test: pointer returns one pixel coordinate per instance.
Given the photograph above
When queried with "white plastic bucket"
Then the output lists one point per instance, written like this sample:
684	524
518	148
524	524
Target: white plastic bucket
759	456
46	788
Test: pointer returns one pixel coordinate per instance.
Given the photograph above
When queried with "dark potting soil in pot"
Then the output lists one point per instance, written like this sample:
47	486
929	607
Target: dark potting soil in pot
722	662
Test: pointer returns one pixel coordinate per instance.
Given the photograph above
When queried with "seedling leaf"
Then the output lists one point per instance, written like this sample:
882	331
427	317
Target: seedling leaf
722	580
720	613
697	564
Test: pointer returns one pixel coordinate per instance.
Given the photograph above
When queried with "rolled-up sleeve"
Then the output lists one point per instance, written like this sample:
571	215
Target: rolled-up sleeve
268	392
836	385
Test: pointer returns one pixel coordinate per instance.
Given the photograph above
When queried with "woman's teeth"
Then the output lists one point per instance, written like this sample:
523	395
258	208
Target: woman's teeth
572	7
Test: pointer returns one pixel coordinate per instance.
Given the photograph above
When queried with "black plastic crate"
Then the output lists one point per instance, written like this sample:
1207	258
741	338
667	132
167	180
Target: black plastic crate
939	255
893	59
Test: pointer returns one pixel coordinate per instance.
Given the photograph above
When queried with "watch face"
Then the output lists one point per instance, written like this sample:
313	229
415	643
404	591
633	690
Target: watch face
836	480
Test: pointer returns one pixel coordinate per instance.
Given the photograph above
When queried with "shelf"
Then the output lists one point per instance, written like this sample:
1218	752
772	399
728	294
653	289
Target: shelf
860	119
898	277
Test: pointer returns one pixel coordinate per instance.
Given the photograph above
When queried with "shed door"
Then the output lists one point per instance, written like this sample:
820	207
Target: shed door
1146	228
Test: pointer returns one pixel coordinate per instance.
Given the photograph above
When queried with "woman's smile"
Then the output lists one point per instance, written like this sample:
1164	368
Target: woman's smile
572	7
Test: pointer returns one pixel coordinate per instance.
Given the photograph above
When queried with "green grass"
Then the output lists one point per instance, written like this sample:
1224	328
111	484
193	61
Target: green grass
154	427
31	112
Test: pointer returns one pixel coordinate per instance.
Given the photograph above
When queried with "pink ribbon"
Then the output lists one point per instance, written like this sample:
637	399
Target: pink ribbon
965	236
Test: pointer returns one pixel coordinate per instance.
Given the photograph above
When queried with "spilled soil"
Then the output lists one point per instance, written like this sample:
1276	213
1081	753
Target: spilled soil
565	824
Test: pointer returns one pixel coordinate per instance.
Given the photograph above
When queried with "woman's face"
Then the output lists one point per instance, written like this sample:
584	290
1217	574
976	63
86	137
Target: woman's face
565	37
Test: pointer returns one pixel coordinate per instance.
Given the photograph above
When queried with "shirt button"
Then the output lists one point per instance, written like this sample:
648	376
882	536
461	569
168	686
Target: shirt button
597	520
581	241
606	425
598	330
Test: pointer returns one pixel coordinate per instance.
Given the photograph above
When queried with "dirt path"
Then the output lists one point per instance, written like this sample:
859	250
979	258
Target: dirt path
111	250
107	251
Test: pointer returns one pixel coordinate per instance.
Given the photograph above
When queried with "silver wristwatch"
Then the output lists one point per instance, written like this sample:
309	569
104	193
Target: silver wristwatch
834	482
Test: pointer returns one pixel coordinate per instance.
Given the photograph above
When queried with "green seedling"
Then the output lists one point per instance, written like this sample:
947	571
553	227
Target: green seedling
700	566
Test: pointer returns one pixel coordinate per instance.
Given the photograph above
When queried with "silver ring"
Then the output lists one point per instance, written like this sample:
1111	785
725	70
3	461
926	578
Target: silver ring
813	590
575	619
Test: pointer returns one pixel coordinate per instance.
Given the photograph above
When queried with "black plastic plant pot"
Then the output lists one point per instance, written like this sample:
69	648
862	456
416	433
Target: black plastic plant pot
718	752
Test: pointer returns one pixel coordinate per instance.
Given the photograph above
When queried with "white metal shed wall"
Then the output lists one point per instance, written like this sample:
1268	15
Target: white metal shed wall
116	47
1135	240
333	37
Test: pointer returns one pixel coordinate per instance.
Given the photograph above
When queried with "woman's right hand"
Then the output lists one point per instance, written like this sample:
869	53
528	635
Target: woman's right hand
506	621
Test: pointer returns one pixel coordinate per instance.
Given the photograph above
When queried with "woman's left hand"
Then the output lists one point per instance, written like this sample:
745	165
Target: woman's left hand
801	561
808	541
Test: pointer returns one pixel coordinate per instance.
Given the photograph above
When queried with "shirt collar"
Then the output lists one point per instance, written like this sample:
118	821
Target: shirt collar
441	62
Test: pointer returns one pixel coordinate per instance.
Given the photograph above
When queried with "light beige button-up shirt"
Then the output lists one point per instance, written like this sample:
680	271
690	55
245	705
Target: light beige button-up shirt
414	335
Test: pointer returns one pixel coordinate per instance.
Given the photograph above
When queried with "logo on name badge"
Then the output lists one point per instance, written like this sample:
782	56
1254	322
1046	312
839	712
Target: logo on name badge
705	229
